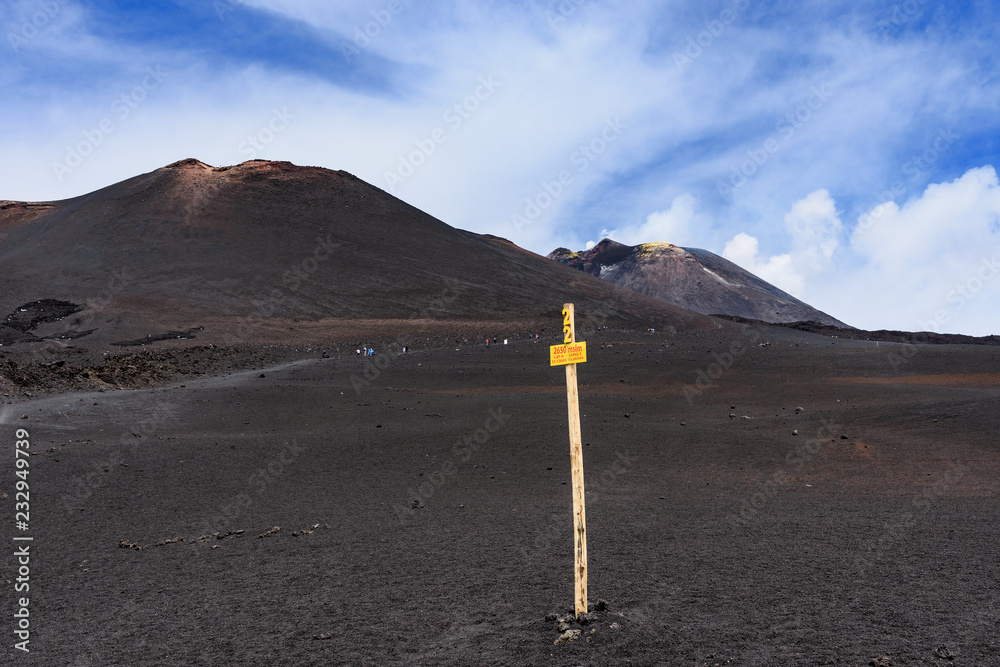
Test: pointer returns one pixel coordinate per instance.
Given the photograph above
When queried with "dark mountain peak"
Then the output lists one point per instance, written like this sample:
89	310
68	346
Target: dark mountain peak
609	253
691	278
256	168
189	163
267	251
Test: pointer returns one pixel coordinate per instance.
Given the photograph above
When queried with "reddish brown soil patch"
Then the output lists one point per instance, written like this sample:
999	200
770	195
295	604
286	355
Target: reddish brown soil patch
940	379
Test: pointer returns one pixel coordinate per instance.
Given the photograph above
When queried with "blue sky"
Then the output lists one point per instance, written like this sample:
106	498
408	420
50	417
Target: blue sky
845	151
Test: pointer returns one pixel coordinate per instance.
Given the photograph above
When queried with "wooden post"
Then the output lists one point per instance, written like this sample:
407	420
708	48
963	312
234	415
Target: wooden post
576	463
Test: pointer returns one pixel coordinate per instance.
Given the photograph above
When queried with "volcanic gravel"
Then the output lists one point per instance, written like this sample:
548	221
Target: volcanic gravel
415	509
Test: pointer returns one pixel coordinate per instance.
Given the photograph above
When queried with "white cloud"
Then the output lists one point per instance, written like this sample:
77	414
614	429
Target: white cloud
928	263
931	264
948	220
884	100
677	224
779	270
814	231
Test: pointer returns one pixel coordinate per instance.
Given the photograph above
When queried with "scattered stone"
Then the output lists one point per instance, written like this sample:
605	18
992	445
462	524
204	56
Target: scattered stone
602	605
130	545
568	636
24	416
943	653
417	504
843	437
683	423
615	626
323	636
732	415
231	533
176	539
798	410
551	618
795	432
883	661
269	532
563	626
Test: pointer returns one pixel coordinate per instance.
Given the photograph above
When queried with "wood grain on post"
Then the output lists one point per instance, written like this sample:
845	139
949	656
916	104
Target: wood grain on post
576	463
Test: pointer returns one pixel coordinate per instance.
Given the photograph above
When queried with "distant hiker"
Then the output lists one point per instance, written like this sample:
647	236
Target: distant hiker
325	355
359	351
487	341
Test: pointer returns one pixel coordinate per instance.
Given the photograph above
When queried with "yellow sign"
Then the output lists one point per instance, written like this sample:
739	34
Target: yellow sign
574	353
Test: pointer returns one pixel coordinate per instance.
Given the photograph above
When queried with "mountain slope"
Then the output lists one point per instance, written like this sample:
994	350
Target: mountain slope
265	248
691	278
